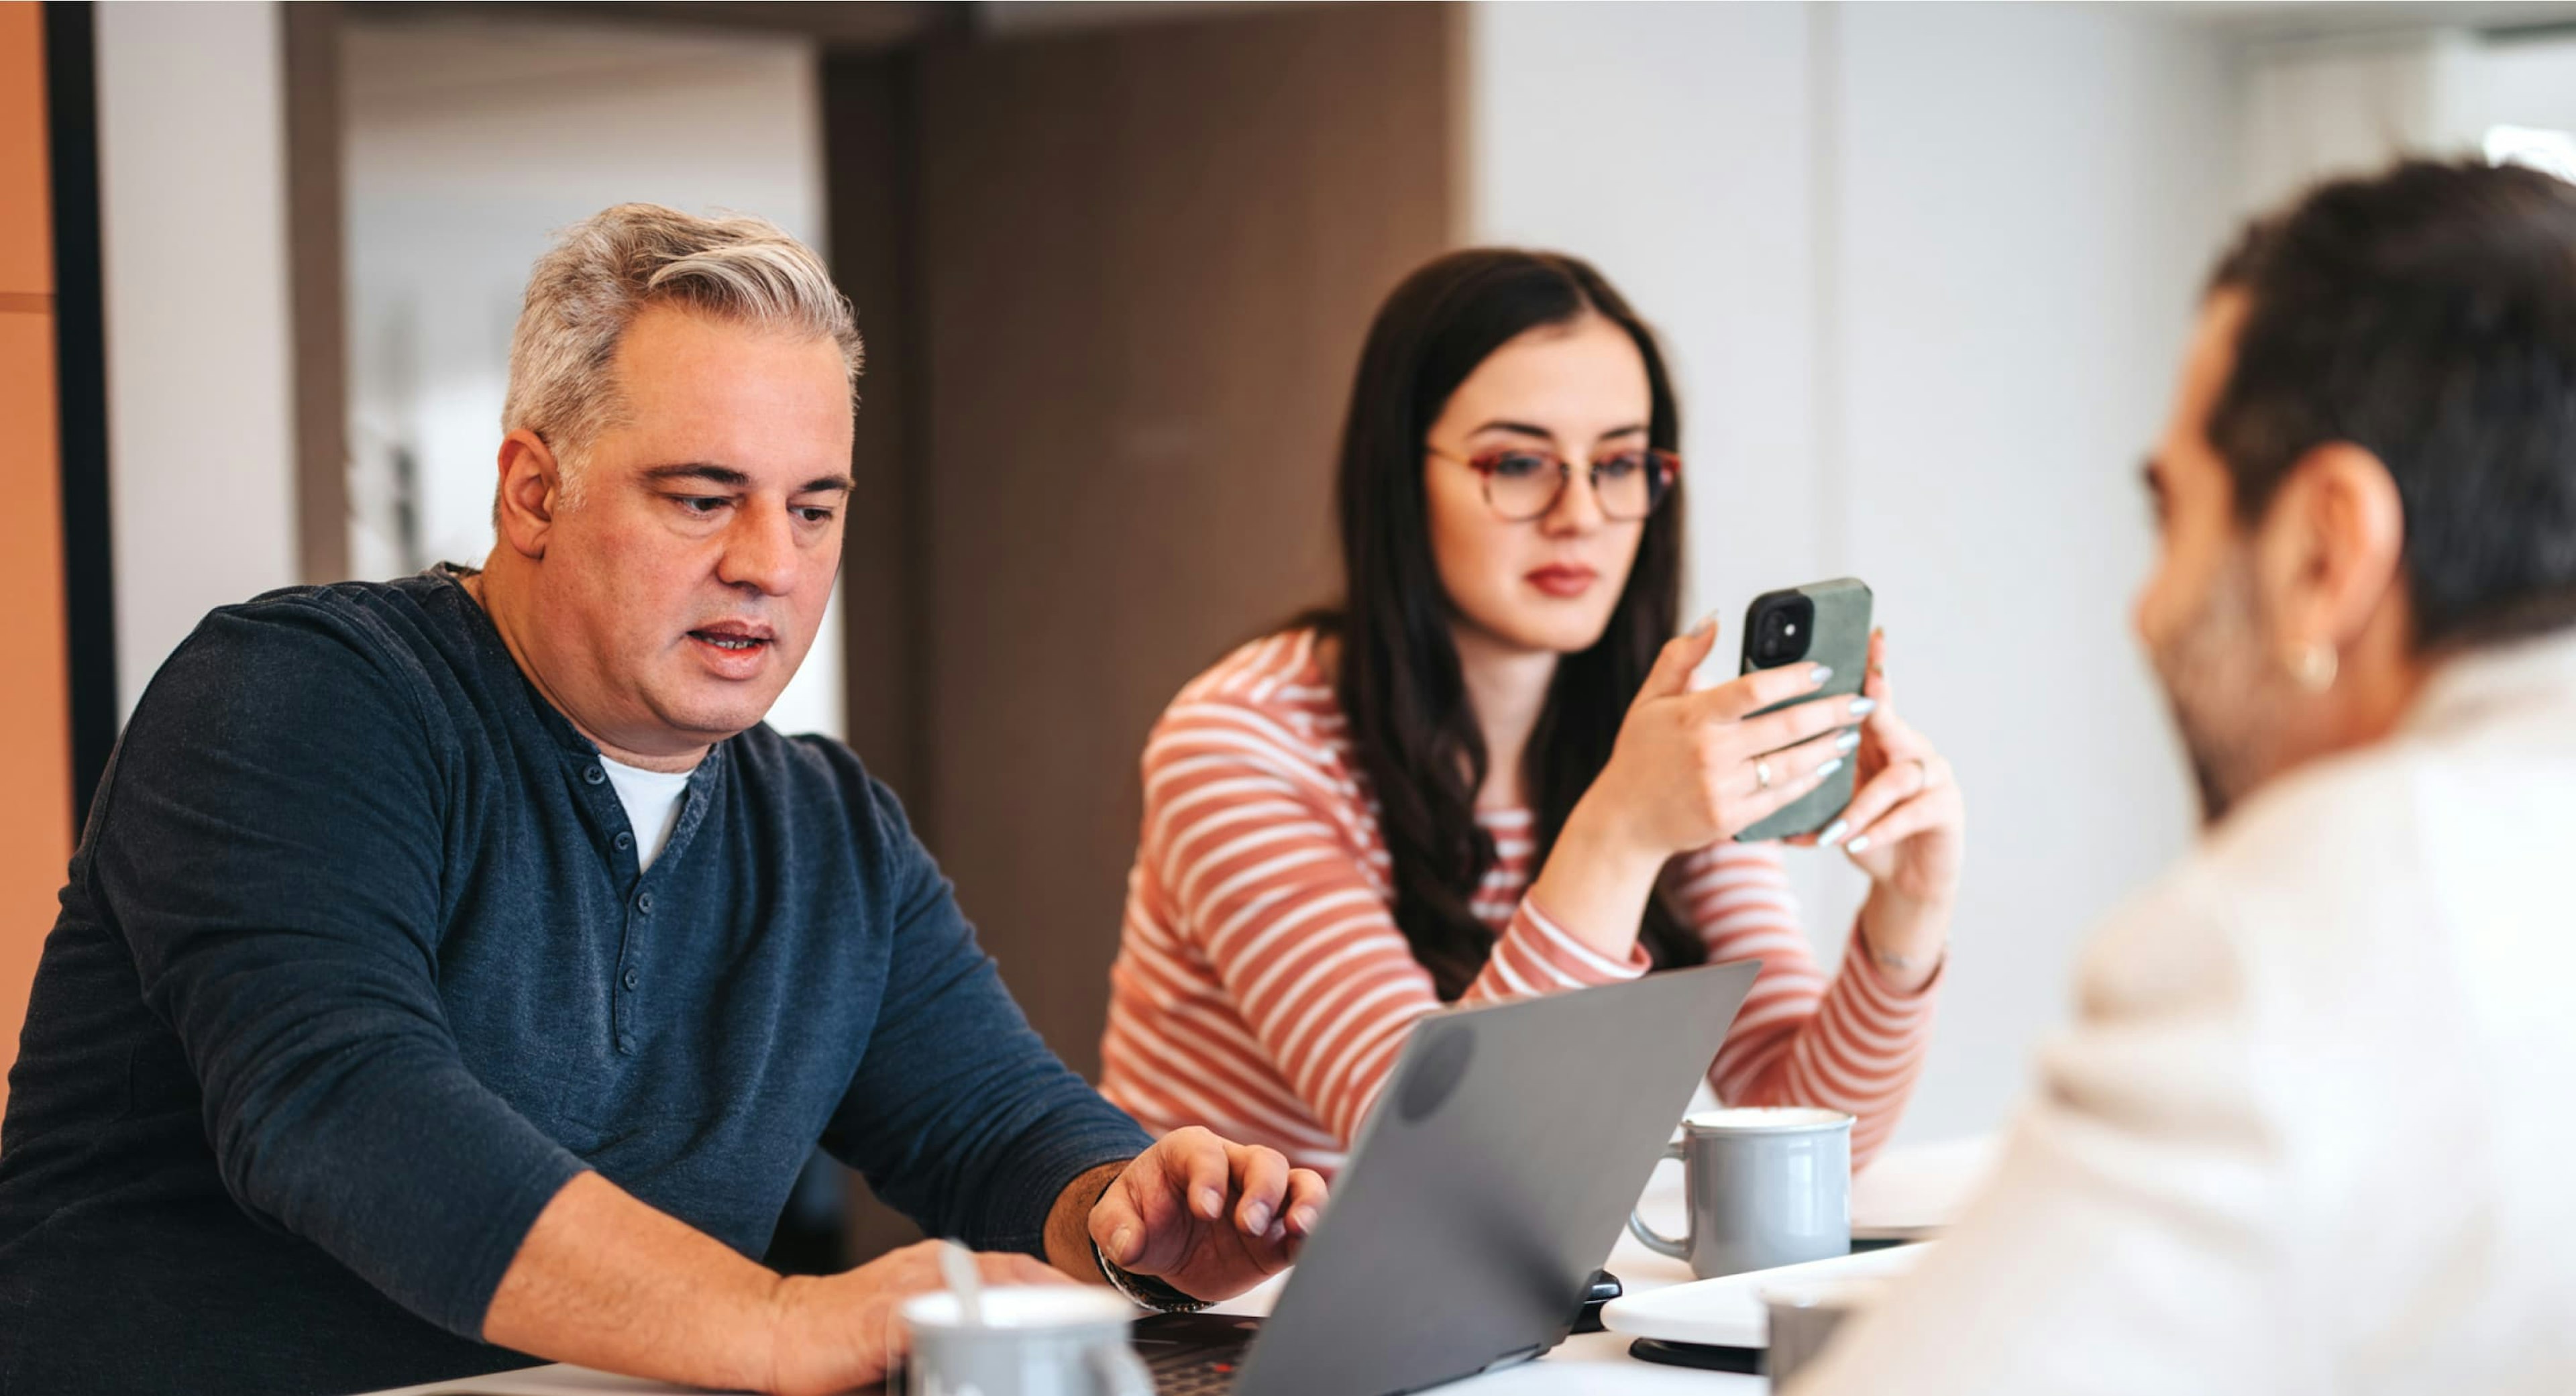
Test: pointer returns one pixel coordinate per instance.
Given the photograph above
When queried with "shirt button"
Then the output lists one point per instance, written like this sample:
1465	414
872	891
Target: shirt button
594	775
625	840
644	902
632	978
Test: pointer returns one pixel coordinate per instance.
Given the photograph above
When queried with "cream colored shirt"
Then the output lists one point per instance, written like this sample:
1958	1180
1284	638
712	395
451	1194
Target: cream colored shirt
2314	1129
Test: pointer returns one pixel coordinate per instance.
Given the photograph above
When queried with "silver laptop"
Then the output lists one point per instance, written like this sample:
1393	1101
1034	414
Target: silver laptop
1489	1180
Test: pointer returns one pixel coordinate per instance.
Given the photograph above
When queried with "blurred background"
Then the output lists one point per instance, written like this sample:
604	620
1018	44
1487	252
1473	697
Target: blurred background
1924	272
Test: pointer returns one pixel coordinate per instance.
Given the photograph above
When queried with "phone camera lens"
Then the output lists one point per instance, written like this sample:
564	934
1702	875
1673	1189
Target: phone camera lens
1779	631
1776	632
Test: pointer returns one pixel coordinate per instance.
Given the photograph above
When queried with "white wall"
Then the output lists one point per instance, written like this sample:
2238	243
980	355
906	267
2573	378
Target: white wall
2324	105
469	143
2335	104
2529	81
192	196
1924	272
2031	199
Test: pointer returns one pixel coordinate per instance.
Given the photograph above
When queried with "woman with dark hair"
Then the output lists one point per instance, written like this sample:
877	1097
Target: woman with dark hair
1343	820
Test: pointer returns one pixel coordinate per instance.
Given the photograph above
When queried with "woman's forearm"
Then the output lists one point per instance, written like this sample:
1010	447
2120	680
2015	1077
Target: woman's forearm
1904	937
1597	880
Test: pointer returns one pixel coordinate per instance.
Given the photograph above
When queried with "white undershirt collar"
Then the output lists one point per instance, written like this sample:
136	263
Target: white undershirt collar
652	801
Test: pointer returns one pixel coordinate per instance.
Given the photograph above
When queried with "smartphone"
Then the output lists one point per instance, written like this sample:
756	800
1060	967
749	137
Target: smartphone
1820	623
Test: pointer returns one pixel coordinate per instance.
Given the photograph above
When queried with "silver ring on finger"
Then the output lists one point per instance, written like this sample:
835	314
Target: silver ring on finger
1925	777
1761	775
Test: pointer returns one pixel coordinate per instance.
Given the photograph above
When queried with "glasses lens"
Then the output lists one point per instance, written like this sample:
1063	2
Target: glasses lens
1521	484
1624	484
1632	483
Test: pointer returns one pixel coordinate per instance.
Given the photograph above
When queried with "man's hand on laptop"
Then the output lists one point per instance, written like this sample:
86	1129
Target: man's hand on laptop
1208	1217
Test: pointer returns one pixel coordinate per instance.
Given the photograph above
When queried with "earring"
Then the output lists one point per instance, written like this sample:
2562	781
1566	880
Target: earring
2314	665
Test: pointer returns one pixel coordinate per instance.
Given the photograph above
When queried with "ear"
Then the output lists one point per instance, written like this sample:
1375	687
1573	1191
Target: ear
2329	551
523	511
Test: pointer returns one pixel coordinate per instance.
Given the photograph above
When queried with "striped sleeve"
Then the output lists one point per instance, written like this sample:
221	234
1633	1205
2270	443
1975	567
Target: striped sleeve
1852	1044
1267	863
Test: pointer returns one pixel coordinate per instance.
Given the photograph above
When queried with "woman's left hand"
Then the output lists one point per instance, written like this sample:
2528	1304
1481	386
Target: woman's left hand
1906	827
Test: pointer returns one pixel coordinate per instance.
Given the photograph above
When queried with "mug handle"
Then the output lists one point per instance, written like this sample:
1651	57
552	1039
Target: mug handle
1121	1371
1657	1241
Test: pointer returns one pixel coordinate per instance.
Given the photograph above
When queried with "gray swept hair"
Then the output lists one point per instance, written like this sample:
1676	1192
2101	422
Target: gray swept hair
606	269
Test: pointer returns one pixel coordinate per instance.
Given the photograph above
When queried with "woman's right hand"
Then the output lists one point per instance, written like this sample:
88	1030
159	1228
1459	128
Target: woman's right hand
1690	767
1693	767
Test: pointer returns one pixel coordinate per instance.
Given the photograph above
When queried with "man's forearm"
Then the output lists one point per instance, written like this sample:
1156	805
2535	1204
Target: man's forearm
1068	1225
605	1280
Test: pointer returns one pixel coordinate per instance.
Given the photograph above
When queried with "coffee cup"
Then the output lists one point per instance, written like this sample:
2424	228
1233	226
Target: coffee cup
1029	1340
1763	1186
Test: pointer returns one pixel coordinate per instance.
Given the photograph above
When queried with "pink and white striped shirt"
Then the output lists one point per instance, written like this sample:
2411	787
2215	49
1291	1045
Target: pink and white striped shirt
1262	986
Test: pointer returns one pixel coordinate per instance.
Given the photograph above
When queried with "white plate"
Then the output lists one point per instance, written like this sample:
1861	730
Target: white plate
1727	1311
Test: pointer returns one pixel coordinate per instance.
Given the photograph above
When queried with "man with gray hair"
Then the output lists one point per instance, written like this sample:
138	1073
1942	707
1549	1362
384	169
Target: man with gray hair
458	969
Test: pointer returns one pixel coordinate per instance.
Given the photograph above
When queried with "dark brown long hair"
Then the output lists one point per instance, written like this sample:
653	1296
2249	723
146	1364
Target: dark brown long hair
1411	726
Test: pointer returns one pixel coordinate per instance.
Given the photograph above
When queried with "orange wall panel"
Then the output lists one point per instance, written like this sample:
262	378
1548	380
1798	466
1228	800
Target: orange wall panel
35	702
26	229
35	705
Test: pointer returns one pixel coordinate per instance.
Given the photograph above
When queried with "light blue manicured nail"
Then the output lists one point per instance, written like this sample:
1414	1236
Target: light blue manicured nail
1829	768
1823	672
1847	741
1863	707
1833	832
1861	844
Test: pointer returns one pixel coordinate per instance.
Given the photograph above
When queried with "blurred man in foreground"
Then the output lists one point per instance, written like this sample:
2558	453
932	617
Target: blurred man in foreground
2312	1128
459	968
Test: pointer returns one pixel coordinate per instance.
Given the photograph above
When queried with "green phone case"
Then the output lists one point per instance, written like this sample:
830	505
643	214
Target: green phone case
1839	638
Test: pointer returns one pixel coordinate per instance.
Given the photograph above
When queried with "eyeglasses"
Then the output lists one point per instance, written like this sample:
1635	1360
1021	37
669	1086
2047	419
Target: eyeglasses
1523	483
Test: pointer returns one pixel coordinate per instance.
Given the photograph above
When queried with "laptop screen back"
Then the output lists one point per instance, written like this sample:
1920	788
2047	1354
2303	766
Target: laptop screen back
1489	1180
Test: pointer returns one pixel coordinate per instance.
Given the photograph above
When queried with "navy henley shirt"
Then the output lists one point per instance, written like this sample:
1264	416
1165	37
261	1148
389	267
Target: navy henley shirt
355	969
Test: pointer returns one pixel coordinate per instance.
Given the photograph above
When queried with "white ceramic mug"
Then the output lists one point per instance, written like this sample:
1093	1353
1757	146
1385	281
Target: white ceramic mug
1035	1340
1764	1186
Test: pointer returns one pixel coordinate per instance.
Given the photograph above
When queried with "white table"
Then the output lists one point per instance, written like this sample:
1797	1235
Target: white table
1589	1364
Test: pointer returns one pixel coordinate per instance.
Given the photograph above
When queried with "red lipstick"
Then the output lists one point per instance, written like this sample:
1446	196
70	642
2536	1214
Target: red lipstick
1563	580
